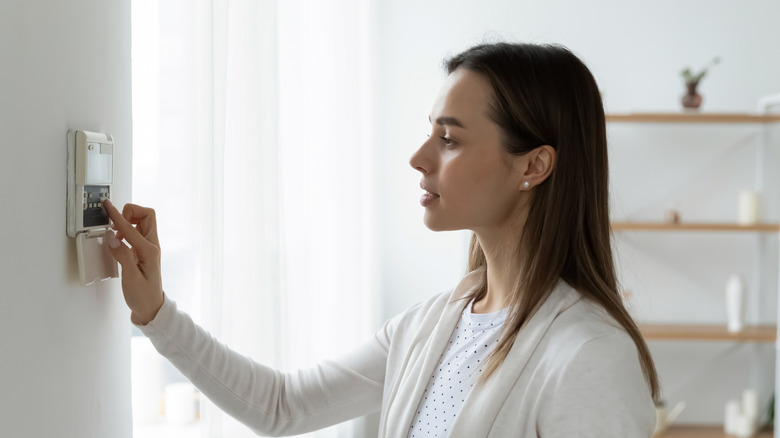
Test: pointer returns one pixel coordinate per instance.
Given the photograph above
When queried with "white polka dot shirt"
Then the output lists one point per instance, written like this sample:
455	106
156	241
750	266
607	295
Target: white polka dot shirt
461	365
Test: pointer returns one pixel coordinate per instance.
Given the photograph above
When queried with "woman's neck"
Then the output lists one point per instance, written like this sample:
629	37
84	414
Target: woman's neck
503	266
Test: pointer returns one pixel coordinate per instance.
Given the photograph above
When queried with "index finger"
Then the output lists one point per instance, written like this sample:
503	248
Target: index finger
139	242
145	219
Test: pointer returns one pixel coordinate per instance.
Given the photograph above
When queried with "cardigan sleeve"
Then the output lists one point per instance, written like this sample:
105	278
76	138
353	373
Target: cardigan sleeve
600	393
268	401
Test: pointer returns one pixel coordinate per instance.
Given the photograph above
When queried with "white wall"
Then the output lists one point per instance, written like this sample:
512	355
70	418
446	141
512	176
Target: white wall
64	365
636	51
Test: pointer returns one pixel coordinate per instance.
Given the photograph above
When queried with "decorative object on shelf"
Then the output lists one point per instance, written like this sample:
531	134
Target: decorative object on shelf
691	100
748	207
733	410
735	303
742	418
750	407
664	418
672	216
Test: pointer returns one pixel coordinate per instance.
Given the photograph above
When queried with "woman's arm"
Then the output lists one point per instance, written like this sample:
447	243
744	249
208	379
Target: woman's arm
267	401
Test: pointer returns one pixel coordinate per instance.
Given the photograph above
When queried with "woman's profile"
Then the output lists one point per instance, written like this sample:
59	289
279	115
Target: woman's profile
533	342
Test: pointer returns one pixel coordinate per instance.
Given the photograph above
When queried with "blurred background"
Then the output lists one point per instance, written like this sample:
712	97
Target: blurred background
273	138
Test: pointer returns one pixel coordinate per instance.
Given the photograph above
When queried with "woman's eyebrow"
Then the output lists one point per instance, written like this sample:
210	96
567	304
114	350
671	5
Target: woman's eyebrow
448	121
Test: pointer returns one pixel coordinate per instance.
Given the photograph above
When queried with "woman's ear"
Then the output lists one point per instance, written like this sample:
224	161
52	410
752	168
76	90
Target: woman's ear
538	165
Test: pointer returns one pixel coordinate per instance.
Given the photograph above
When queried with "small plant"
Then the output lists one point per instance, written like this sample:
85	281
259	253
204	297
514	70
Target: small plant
691	78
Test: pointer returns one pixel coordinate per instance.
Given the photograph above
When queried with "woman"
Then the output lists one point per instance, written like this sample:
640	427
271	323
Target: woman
534	341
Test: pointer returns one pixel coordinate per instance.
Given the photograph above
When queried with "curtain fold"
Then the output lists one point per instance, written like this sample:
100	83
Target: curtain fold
256	157
287	119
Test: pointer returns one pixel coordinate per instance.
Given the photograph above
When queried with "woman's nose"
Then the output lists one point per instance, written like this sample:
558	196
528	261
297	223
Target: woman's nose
419	160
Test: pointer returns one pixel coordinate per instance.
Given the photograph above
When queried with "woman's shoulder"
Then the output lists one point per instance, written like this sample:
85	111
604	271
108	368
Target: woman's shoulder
593	377
586	329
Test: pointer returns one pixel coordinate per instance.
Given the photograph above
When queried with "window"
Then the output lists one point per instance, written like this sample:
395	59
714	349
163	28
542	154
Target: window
264	220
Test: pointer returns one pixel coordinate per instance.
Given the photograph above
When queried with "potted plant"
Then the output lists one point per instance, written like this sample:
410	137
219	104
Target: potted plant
691	100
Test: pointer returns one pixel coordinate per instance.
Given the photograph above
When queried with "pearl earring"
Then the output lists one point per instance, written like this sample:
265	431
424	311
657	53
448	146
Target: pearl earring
526	185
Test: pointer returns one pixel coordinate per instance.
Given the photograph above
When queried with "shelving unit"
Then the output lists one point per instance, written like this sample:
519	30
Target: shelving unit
703	432
706	332
718	227
692	118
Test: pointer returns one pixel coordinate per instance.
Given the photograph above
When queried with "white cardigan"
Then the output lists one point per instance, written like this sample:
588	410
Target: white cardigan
572	372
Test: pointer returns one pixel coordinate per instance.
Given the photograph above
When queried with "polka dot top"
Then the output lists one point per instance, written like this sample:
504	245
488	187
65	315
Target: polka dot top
461	365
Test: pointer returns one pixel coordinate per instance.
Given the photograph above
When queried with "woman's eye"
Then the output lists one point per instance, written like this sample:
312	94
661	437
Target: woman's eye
447	141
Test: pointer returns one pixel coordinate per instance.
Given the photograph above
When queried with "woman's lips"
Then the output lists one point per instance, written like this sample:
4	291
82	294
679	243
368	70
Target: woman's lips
428	198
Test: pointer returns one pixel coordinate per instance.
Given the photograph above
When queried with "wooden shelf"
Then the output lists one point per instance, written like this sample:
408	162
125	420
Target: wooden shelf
663	226
692	118
704	332
703	432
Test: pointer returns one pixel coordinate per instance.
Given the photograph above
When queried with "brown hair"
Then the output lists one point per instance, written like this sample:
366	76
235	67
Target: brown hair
544	95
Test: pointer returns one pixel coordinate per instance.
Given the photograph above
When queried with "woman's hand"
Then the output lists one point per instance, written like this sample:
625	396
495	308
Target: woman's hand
141	272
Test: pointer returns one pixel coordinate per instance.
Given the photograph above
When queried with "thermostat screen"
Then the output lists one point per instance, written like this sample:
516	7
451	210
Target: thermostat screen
94	214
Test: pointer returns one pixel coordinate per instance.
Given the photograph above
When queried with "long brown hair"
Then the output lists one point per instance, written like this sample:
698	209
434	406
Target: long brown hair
544	95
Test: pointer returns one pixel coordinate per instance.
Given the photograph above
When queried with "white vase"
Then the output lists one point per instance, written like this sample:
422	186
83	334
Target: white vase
735	303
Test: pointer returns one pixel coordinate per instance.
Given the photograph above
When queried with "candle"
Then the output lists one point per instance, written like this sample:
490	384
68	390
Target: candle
750	405
735	303
733	410
743	428
748	211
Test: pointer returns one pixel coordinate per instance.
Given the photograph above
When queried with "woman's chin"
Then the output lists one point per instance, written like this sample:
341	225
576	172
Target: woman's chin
435	224
431	223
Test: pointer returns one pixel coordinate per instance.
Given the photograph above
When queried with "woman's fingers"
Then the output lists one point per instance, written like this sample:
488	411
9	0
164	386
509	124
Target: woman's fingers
143	247
121	252
146	220
141	276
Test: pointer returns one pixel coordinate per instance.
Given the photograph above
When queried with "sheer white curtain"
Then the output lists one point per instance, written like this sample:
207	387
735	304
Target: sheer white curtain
251	143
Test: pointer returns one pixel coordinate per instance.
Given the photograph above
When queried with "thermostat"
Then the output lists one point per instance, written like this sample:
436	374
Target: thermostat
90	179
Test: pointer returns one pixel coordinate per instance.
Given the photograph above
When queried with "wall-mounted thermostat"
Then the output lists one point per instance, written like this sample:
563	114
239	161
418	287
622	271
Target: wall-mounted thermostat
90	179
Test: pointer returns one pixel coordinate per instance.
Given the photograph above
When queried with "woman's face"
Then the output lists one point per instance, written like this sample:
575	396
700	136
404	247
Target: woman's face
471	182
